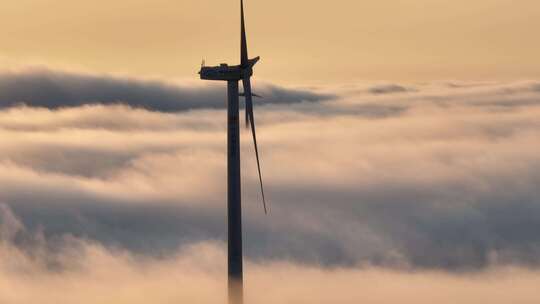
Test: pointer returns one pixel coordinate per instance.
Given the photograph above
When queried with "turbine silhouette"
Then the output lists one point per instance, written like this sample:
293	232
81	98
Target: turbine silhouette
233	75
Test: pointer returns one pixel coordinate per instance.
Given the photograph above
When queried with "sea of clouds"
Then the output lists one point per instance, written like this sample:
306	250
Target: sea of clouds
112	190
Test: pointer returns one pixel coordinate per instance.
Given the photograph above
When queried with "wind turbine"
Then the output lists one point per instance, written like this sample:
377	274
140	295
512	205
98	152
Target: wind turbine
233	75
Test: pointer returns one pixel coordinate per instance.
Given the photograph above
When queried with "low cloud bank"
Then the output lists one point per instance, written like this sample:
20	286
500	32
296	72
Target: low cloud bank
82	271
56	89
439	179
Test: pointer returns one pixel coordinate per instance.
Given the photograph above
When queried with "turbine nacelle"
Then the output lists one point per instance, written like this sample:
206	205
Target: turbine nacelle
222	72
227	72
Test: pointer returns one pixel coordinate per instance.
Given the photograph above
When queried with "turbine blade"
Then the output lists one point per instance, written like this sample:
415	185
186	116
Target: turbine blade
247	115
258	161
249	100
251	119
244	61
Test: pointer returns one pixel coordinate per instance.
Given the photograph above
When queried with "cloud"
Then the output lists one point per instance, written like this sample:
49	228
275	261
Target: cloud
86	272
56	89
387	89
442	180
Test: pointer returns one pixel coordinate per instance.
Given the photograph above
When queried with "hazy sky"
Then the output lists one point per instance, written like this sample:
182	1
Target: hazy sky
300	41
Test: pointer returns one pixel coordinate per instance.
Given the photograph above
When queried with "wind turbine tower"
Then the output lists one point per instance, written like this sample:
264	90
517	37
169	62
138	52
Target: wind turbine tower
233	75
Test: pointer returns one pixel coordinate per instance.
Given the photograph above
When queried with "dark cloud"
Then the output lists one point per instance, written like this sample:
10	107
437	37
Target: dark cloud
400	229
156	231
388	89
55	89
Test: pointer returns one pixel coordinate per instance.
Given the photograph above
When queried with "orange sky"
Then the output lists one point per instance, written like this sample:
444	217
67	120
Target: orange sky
300	41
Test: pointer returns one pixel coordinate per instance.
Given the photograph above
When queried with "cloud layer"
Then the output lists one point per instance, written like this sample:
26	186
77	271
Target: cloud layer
426	184
85	272
54	89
